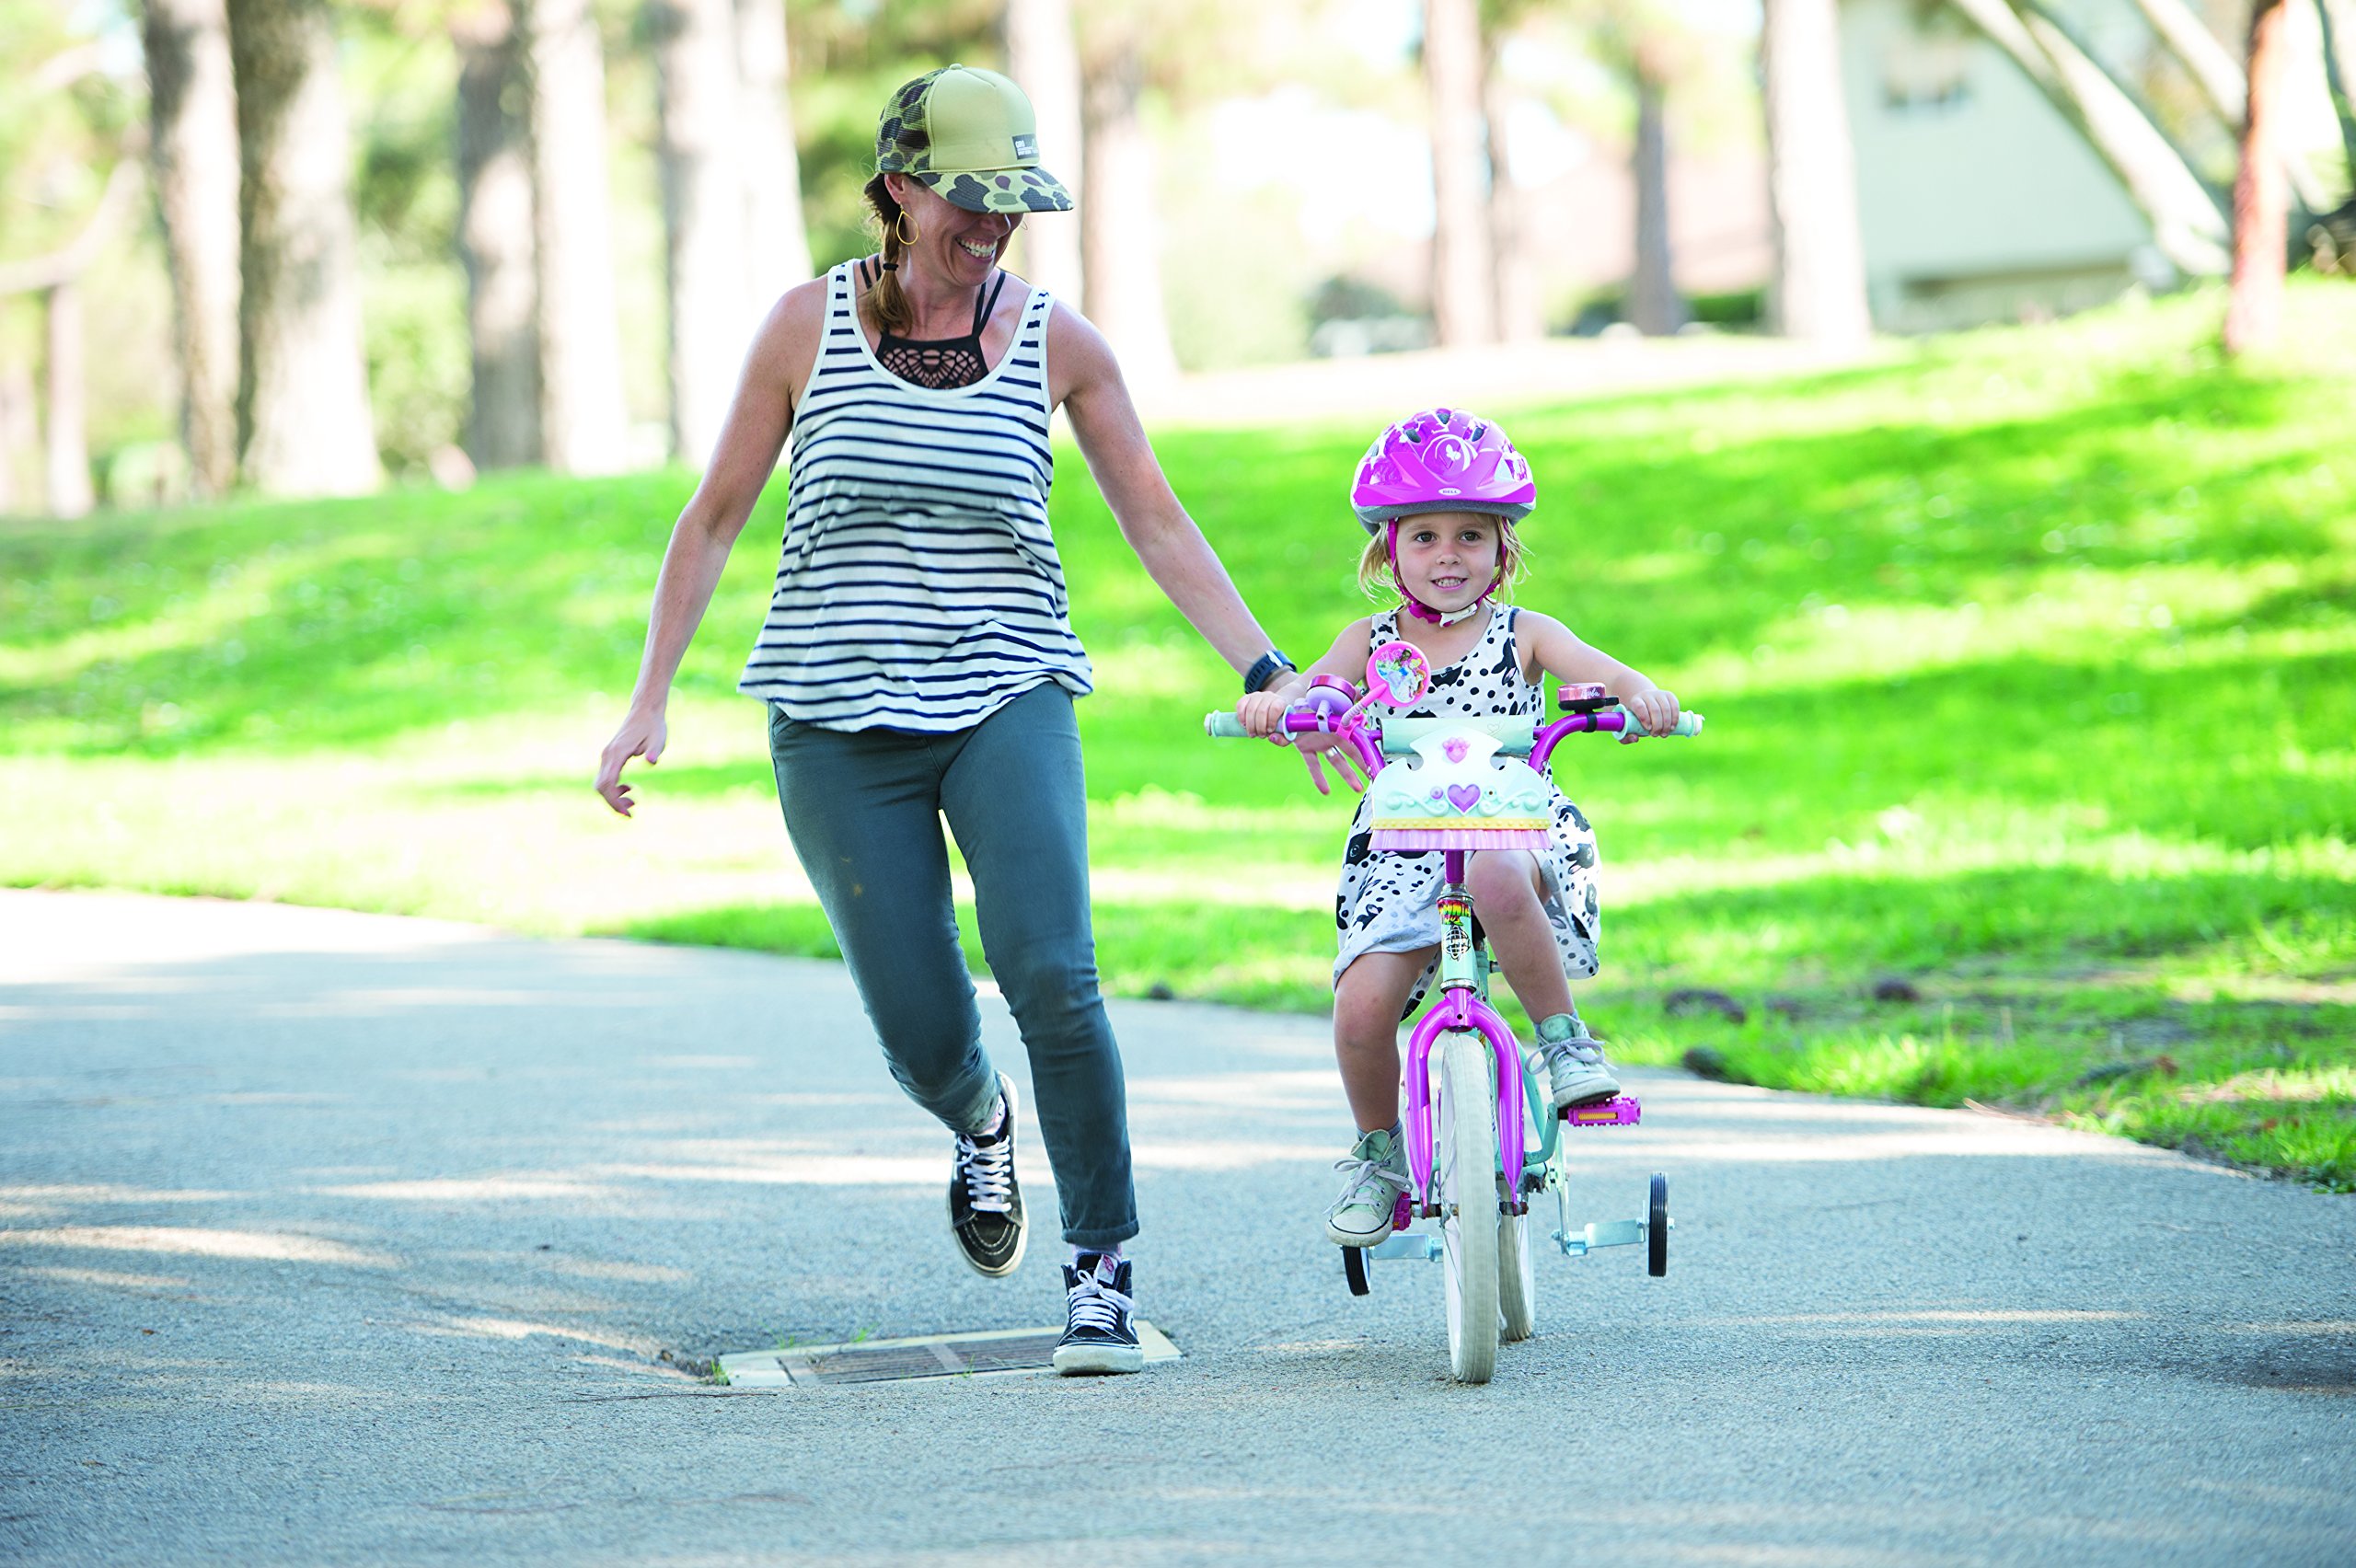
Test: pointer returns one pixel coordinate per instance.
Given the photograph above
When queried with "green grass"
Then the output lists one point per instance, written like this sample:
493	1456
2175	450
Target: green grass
2029	662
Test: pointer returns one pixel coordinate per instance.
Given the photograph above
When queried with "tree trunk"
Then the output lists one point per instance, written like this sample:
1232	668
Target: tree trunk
2213	68
303	418
1463	306
1120	215
776	241
1521	302
2185	222
495	242
1654	307
703	214
1042	58
1818	293
584	420
66	459
19	429
2254	314
193	145
2337	19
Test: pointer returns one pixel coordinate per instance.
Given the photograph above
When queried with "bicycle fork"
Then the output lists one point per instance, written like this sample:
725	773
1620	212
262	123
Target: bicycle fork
1462	1008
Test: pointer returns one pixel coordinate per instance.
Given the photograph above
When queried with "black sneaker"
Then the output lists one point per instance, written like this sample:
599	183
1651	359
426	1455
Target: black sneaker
985	1206
1098	1333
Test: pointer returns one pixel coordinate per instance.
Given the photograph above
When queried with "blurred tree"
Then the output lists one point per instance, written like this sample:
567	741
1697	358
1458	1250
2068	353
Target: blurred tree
703	214
1464	280
848	57
583	422
2187	225
66	122
1819	292
494	169
1654	307
776	242
1043	57
2212	67
1120	214
1520	301
192	148
1649	44
2254	312
303	426
2337	20
2332	237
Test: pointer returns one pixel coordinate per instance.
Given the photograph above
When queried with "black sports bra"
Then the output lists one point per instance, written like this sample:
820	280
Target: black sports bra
936	362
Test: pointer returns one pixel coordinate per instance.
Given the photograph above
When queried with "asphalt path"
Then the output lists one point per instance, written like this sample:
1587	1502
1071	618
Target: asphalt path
330	1238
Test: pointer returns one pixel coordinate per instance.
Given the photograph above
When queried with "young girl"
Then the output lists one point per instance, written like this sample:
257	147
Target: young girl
1441	493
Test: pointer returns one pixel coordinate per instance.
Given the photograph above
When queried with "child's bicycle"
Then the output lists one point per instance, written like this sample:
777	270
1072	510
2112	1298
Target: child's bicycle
1471	1092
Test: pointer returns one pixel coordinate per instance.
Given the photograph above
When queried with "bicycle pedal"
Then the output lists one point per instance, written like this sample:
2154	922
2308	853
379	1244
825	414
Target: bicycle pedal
1619	1111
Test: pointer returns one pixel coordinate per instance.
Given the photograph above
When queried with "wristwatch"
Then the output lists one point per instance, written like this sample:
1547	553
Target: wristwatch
1264	670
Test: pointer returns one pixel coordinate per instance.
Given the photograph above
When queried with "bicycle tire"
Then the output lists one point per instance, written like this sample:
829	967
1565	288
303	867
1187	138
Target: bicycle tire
1468	1182
1656	1228
1516	1277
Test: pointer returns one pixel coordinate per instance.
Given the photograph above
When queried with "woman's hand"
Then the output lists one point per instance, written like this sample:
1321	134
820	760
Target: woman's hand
1263	713
1654	709
642	734
1309	742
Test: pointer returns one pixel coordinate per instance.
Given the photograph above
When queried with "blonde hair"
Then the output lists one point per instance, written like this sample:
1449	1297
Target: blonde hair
883	305
1378	581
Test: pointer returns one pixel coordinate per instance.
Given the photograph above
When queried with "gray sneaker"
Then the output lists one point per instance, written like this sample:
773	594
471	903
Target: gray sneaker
1377	1174
1578	1070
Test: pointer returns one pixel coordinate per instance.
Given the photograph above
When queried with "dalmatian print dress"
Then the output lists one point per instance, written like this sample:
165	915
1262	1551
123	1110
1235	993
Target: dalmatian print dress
1389	901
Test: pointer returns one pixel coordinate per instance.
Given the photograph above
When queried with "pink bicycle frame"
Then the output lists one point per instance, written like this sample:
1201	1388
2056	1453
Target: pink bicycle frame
1330	711
1463	1008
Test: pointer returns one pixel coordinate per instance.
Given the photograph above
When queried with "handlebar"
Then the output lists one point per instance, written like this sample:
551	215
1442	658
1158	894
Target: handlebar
1225	725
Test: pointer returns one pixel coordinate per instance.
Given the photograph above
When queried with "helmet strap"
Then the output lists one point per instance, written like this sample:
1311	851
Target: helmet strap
1422	611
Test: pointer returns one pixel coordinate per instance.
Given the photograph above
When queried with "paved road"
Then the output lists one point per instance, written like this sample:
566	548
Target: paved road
327	1237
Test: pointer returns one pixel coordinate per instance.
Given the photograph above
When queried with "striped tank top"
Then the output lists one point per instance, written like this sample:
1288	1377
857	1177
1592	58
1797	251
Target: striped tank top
918	587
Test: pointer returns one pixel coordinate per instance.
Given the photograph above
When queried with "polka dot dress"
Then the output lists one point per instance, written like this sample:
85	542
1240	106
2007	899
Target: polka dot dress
1389	902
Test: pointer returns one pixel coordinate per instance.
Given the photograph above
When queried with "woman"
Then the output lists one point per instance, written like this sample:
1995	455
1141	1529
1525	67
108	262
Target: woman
918	660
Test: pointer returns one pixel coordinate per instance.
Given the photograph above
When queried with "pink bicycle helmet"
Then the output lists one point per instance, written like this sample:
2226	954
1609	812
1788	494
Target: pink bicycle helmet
1443	460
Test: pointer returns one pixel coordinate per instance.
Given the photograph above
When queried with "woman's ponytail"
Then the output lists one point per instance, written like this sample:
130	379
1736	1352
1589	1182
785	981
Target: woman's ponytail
883	305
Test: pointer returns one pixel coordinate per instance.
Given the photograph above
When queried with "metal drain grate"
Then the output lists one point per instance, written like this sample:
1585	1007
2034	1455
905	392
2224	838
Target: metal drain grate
1000	1351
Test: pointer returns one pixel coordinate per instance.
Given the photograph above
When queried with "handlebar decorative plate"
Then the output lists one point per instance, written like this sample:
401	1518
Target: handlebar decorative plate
1457	796
1398	675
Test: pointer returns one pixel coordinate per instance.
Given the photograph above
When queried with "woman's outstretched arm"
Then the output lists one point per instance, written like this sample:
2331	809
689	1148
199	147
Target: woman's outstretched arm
740	463
1086	380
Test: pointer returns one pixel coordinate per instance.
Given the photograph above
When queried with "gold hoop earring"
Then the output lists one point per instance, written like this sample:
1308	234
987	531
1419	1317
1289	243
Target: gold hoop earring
907	233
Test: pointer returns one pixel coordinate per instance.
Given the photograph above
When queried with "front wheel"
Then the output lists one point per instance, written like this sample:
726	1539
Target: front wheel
1468	1184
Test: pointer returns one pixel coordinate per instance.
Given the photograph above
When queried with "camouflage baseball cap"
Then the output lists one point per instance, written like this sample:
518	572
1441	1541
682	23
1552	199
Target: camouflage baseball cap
971	136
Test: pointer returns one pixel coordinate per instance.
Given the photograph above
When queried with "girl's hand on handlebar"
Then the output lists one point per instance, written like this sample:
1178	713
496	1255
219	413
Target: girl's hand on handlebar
1263	711
1656	709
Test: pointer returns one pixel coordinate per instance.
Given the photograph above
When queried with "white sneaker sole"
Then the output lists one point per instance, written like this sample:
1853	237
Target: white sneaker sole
1357	1239
1021	1235
1077	1360
1585	1089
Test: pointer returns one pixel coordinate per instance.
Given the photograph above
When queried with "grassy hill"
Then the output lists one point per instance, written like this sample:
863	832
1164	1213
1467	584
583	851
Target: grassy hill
2029	662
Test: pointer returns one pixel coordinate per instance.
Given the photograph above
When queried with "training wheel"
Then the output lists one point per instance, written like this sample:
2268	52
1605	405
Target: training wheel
1354	1269
1657	1228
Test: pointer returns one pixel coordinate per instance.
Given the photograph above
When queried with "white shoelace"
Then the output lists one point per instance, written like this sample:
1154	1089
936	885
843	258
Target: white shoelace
1364	1170
1586	1050
989	1173
1095	1304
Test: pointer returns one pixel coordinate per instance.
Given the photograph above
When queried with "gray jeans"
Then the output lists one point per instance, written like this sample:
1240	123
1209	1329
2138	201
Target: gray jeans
864	809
